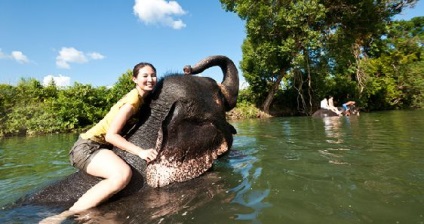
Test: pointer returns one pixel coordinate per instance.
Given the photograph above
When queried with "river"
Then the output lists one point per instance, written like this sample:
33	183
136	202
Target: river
366	169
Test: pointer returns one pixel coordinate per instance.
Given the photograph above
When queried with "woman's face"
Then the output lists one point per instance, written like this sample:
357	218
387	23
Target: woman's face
146	78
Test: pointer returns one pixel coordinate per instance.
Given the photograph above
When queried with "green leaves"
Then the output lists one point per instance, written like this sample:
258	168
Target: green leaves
31	108
395	75
320	46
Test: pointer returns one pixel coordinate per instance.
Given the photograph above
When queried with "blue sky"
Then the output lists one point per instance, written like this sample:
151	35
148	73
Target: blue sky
95	41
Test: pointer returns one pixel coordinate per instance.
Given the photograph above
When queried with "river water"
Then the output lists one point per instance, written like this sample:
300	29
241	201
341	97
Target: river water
366	169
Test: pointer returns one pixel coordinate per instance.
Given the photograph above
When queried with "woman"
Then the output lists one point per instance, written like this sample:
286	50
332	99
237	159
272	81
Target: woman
332	107
91	153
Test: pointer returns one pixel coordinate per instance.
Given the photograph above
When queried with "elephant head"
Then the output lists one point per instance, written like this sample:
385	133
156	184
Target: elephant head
183	118
230	84
353	111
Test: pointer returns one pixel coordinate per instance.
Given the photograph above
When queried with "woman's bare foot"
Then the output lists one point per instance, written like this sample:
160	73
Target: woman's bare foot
56	219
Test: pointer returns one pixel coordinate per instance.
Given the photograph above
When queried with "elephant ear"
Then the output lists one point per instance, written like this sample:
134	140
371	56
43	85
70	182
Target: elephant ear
187	147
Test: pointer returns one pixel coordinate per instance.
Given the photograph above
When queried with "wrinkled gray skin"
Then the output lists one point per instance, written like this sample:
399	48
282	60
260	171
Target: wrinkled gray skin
183	119
354	111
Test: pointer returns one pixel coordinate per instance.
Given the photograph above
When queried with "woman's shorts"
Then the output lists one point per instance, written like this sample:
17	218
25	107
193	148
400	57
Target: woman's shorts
83	151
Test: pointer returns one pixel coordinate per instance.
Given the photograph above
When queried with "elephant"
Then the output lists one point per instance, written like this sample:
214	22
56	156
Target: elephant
183	118
320	113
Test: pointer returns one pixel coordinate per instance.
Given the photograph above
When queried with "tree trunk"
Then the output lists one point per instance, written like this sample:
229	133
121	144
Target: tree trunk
267	103
360	75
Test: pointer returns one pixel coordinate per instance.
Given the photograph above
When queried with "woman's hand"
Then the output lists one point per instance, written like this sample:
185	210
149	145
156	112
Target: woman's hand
148	154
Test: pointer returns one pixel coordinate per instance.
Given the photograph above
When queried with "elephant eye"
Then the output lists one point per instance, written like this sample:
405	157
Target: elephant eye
221	96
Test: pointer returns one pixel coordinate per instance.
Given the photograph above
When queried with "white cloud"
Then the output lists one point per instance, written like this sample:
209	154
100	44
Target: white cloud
19	57
159	12
96	56
69	55
58	80
15	55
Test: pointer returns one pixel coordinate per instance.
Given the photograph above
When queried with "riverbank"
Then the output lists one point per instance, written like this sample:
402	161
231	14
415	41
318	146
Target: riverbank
241	112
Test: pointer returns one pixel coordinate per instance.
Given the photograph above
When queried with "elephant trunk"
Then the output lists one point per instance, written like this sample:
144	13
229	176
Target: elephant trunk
230	83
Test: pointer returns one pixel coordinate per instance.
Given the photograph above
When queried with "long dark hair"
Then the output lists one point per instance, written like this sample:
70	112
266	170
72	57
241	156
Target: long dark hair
140	65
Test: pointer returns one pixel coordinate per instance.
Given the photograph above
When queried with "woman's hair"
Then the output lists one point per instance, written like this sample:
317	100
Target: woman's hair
140	65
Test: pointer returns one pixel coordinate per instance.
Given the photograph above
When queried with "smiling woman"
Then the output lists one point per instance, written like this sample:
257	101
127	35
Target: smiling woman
92	154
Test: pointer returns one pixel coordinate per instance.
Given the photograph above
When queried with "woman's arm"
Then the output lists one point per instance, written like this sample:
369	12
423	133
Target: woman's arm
113	136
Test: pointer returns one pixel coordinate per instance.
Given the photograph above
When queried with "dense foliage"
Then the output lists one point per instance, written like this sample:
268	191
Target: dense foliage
29	107
298	52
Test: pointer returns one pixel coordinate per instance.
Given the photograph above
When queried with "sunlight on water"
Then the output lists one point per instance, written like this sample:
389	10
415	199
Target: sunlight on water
367	169
338	170
29	163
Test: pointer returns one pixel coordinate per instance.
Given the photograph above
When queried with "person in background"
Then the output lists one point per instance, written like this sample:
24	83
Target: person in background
332	107
347	106
91	152
324	104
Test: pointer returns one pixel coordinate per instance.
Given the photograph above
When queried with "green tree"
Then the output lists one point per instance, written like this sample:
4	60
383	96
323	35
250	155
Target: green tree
80	105
50	91
31	108
29	91
280	37
7	102
395	72
308	41
121	87
25	108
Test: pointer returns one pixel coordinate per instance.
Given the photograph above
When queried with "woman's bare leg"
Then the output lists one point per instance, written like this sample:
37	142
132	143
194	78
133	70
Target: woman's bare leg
116	174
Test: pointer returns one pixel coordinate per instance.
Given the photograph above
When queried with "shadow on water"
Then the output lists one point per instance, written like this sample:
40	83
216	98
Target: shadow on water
170	204
367	169
222	195
163	205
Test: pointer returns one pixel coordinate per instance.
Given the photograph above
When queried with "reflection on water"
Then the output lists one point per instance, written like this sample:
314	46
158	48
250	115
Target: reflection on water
243	163
367	169
332	126
335	137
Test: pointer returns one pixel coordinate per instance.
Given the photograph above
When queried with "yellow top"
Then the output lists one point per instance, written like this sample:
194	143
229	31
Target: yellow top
98	132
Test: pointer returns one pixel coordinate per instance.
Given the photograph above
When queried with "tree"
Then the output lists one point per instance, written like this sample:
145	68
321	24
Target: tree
395	72
29	91
303	41
280	35
7	101
121	87
80	105
50	91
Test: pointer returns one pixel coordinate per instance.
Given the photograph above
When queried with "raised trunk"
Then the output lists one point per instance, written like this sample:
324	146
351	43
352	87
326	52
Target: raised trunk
230	82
